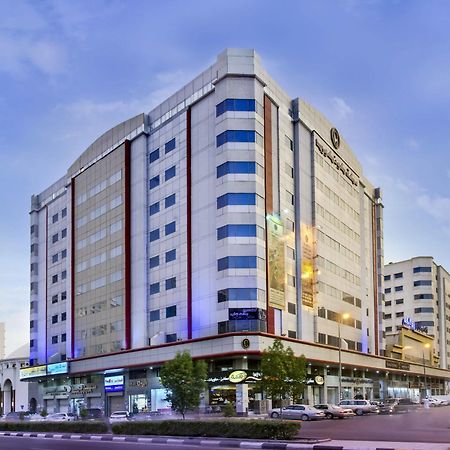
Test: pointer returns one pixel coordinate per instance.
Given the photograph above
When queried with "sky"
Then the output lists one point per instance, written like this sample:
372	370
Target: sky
378	69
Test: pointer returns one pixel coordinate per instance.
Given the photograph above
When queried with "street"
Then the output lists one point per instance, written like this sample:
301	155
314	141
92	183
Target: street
422	425
21	443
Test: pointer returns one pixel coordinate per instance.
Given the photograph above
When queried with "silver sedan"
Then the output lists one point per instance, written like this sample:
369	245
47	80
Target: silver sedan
302	412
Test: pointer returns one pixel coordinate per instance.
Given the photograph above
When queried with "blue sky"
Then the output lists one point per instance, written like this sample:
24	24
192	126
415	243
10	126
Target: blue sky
379	70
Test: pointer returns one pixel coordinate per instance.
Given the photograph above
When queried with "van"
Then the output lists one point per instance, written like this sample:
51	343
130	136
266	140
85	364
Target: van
359	407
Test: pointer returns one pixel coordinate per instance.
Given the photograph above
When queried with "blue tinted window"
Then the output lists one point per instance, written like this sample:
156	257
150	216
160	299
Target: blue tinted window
241	230
246	198
154	288
424	323
154	315
154	235
235	136
387	277
398	288
172	337
170	228
153	262
235	104
154	155
154	182
171	255
169	201
153	209
422	283
237	294
236	262
423	297
424	310
171	283
387	291
421	269
170	173
398	275
236	167
171	311
169	146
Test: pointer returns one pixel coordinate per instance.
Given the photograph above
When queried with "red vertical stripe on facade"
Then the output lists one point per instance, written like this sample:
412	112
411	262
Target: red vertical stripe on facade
72	271
127	169
46	282
268	194
375	278
189	223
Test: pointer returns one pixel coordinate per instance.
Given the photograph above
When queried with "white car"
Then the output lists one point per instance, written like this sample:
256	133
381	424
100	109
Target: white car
60	417
302	412
119	416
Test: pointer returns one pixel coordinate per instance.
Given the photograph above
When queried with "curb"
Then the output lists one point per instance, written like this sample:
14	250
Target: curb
182	441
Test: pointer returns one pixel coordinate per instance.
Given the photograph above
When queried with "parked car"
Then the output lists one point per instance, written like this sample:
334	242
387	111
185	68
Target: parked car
16	416
36	417
119	416
331	411
302	412
94	414
359	407
60	417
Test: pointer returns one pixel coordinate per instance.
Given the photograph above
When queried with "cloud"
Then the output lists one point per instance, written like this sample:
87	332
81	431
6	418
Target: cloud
88	108
412	143
437	206
19	54
341	107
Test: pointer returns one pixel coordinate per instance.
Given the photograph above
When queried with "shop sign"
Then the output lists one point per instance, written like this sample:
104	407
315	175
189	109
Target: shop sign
246	314
357	380
82	389
399	365
245	344
57	368
138	383
316	381
233	377
114	383
237	376
32	372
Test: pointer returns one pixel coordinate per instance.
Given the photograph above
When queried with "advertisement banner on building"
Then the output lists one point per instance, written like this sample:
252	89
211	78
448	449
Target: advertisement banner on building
114	383
276	274
307	239
57	368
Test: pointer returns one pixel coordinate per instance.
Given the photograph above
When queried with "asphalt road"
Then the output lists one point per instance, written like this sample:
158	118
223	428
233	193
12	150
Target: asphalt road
422	425
21	443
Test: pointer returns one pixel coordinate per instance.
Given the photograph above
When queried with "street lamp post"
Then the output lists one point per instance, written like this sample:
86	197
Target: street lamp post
341	318
424	369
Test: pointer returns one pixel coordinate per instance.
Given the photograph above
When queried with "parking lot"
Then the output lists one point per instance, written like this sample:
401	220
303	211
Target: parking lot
420	425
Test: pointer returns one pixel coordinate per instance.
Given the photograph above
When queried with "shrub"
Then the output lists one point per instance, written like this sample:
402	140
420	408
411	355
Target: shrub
62	427
228	410
237	428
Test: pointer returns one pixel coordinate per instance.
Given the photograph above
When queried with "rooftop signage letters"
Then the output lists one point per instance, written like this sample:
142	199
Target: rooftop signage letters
408	322
337	162
399	365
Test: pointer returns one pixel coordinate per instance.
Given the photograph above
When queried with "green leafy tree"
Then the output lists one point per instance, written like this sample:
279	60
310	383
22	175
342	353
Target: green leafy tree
282	373
184	381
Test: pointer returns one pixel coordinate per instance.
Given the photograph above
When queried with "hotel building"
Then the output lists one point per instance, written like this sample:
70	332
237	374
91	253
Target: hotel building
417	296
227	216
